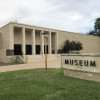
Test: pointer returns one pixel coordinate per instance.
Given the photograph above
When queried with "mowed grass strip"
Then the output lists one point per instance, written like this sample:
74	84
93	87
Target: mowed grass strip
51	84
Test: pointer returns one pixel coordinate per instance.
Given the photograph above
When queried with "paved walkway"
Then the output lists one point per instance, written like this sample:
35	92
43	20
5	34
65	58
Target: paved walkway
52	63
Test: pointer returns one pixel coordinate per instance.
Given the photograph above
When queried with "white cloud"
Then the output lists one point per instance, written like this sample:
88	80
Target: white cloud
69	15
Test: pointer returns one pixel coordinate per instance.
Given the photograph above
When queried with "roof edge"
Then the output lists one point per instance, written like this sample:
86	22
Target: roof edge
48	28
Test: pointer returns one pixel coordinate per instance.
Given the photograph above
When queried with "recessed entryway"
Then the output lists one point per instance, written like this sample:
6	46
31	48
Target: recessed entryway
17	49
38	49
28	49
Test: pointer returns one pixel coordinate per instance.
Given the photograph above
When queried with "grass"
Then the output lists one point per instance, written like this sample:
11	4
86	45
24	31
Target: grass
51	84
6	64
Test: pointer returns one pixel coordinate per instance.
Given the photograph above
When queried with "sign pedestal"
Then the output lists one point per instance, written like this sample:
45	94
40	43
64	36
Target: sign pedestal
81	66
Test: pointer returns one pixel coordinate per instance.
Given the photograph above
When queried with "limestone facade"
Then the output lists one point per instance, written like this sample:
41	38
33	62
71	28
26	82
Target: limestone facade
28	40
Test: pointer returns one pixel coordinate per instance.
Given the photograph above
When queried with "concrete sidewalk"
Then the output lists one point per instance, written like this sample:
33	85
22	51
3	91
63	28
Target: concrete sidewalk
52	63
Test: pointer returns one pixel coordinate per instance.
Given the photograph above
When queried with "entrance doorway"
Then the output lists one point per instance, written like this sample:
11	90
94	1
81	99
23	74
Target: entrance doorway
38	49
17	49
28	49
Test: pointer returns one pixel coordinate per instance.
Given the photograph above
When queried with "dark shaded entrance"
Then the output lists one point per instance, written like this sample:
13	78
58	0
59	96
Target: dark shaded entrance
47	49
17	49
38	49
28	49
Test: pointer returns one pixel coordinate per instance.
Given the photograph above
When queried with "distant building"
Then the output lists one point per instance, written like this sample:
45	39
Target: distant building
21	39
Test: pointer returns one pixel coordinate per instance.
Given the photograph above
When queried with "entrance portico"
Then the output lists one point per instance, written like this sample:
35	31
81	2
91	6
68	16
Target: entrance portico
31	41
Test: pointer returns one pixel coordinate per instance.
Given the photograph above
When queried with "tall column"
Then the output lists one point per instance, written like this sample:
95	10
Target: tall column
56	42
23	42
33	42
42	42
11	44
49	42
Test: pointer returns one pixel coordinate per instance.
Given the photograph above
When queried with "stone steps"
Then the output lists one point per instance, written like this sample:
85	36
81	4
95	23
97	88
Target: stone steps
40	58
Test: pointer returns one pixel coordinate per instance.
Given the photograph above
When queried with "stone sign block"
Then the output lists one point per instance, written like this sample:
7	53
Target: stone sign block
81	66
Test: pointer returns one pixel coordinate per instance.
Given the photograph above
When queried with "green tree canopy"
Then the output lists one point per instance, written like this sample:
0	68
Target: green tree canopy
96	30
66	47
71	46
78	46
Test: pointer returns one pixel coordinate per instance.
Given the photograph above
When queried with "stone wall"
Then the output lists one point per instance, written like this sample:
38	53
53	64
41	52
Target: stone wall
17	37
28	37
6	59
5	36
90	43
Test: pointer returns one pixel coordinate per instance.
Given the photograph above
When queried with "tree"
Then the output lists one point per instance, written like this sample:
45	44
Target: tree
66	47
78	46
97	25
96	31
92	32
71	46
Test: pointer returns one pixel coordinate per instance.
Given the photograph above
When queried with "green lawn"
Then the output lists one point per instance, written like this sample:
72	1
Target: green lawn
6	64
51	84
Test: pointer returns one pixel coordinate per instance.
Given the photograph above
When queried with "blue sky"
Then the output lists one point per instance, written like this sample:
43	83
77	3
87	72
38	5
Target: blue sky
69	15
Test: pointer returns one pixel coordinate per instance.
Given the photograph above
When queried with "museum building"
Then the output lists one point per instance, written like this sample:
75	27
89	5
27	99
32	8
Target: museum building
20	41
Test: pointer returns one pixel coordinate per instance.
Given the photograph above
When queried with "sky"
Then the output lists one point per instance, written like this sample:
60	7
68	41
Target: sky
68	15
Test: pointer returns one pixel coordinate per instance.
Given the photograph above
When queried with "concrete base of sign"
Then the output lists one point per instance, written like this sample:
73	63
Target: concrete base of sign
82	75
